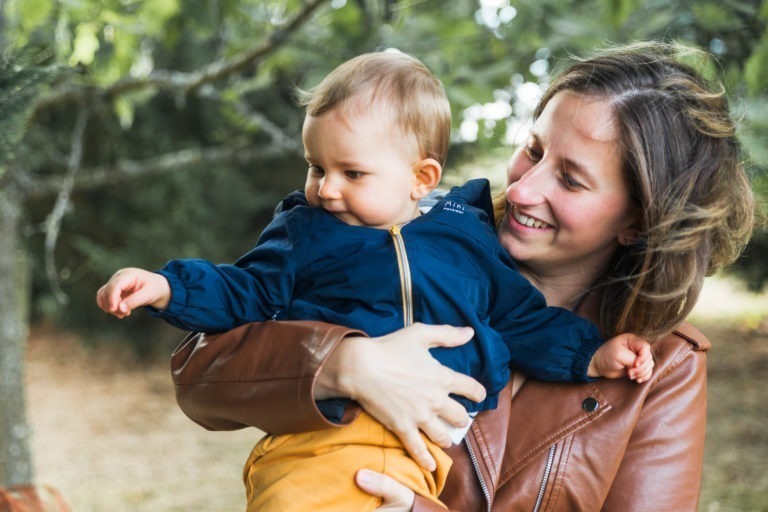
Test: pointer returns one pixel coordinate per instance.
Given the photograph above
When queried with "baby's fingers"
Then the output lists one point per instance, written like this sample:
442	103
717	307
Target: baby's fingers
641	376
108	299
642	370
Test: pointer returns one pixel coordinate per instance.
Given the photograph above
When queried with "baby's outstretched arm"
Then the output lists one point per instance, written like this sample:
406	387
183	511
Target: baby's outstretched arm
129	288
623	355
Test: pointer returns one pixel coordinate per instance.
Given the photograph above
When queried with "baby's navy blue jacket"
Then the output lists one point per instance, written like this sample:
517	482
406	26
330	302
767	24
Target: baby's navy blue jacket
308	265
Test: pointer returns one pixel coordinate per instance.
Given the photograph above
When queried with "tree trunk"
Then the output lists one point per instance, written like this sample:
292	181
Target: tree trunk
3	42
15	457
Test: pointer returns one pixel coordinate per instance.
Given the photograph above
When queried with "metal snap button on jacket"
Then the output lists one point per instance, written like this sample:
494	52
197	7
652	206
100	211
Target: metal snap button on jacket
590	404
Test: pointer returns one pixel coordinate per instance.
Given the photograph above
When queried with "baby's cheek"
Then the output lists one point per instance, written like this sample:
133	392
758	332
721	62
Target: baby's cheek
311	193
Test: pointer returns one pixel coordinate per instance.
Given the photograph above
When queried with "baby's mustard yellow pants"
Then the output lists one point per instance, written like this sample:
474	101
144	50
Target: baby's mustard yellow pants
315	471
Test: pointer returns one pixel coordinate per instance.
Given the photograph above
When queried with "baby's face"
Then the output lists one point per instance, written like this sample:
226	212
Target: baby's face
361	169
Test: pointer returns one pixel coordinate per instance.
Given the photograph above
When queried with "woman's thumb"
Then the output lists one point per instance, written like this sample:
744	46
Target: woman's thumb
395	495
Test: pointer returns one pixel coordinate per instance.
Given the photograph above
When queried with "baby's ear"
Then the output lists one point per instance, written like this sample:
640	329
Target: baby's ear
426	177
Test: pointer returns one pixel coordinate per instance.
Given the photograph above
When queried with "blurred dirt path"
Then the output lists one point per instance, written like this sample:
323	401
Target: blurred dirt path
108	434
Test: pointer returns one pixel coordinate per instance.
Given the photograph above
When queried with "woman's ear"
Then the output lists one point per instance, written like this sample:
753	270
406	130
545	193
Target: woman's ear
629	235
426	177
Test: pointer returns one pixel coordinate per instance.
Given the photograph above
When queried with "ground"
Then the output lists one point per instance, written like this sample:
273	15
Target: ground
108	434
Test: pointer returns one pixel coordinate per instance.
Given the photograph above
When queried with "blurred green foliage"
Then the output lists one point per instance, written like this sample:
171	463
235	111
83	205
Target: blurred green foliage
488	53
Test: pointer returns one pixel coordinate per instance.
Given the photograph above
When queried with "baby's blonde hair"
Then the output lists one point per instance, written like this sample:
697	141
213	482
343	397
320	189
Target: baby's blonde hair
397	81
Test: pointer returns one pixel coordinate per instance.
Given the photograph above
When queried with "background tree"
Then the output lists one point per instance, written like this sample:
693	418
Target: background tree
170	127
19	87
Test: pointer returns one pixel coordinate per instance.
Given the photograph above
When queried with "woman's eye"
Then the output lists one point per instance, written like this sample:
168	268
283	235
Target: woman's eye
532	153
569	181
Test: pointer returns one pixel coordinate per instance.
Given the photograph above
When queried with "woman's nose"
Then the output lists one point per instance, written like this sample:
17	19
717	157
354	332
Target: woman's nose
529	188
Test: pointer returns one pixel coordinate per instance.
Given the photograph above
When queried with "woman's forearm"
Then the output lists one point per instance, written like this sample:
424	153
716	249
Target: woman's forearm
268	375
261	375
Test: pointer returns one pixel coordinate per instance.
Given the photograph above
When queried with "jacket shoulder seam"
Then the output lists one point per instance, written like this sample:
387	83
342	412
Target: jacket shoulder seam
682	352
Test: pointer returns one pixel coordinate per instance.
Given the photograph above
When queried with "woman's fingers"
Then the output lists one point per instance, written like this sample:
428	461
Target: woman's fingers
464	385
441	335
398	382
450	336
396	497
416	447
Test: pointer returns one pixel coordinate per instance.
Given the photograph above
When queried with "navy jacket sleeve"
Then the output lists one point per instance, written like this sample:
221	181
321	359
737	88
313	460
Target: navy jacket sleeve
546	343
214	298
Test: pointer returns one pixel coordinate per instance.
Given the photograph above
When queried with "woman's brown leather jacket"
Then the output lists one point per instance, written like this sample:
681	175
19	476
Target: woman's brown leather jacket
609	445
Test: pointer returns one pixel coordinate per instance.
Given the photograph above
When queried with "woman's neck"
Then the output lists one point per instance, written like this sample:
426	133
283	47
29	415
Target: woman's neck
565	290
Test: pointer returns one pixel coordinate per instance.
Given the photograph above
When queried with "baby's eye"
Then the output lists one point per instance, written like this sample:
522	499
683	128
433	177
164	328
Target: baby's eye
353	175
316	170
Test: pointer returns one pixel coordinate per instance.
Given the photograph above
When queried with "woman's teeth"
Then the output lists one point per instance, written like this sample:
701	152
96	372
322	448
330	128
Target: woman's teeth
528	221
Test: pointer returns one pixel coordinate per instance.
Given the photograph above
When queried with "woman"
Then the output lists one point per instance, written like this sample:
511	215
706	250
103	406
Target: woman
628	192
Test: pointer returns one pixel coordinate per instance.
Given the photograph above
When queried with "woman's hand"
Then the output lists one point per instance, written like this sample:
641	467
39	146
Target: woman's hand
396	496
398	382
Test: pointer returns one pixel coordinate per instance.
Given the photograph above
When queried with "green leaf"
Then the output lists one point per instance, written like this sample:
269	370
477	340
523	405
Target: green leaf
714	17
156	13
124	110
85	45
756	68
33	12
619	11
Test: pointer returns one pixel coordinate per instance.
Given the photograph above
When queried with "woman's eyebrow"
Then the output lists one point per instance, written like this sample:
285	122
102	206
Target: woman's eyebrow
572	165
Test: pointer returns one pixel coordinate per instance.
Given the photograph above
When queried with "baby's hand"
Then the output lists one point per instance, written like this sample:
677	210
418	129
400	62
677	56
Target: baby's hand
130	288
625	354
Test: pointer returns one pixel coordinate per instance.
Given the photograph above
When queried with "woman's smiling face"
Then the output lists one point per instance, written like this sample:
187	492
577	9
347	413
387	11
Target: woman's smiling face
569	203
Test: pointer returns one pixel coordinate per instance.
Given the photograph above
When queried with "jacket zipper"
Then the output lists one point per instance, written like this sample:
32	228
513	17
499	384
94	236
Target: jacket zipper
481	480
406	289
545	480
407	297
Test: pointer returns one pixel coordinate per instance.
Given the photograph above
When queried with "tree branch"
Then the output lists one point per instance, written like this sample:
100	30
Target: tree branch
123	170
53	223
185	83
259	120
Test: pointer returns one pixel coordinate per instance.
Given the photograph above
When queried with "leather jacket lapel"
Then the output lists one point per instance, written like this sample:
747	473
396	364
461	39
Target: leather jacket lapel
547	421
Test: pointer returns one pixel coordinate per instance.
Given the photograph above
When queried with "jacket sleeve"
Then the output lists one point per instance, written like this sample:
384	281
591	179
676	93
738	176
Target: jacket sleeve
666	475
259	374
545	343
422	504
214	298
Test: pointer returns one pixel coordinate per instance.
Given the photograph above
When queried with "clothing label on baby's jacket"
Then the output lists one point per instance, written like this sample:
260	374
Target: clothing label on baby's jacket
453	206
